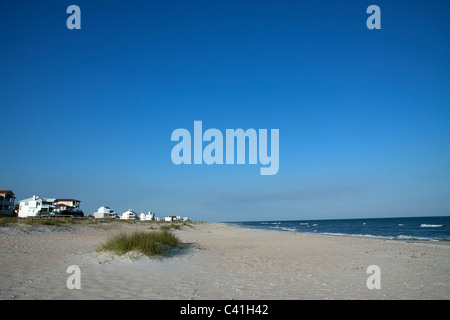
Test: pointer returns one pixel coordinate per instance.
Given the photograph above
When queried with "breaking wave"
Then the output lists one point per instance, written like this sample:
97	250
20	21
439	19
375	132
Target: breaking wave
424	225
408	228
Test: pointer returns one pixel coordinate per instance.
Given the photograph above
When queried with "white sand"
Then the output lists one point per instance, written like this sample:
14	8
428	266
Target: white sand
220	261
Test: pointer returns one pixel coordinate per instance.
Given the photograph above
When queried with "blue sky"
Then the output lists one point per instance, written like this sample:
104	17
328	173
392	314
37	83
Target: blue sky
363	114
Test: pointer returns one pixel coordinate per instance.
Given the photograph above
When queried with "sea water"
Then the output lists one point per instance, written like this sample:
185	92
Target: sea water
414	228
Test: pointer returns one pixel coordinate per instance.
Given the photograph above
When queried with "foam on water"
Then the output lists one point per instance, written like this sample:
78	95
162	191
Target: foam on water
414	228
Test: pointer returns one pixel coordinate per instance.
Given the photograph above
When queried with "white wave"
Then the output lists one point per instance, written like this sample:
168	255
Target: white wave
424	225
288	229
283	228
400	237
303	223
358	235
405	237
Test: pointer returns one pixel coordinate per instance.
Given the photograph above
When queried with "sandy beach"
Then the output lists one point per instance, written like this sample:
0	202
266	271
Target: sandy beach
218	261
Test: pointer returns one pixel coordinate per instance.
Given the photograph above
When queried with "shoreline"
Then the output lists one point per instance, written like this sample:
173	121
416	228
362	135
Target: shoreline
427	228
442	242
357	236
220	261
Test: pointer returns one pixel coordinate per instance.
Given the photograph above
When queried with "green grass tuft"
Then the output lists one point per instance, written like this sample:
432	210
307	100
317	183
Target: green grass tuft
148	243
6	221
167	227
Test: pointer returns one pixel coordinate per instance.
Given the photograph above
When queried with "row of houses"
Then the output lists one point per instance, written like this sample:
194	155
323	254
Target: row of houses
38	206
108	213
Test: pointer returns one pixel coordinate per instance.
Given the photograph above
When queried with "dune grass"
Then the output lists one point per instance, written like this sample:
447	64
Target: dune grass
6	221
147	243
57	221
49	222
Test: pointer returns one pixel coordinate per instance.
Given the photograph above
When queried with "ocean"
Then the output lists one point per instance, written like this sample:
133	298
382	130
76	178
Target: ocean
414	228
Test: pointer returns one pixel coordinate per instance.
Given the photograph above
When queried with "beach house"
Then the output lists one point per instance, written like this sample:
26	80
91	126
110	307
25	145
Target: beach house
128	215
36	206
105	213
147	216
68	207
172	218
7	199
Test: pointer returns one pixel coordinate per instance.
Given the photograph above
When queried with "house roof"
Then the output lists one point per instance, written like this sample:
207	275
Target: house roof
36	198
73	200
31	199
105	210
6	191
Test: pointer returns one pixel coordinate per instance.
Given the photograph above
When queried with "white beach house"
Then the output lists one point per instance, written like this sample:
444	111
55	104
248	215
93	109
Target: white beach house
105	213
128	215
172	218
147	216
36	206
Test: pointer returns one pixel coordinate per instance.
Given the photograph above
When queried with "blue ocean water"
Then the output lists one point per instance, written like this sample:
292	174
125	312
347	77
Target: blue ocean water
415	228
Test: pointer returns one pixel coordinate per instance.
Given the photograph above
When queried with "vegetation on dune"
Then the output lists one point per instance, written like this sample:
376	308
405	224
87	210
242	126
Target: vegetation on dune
157	239
148	243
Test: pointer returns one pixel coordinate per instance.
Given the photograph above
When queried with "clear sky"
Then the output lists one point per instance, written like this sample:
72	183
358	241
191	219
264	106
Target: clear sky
363	115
